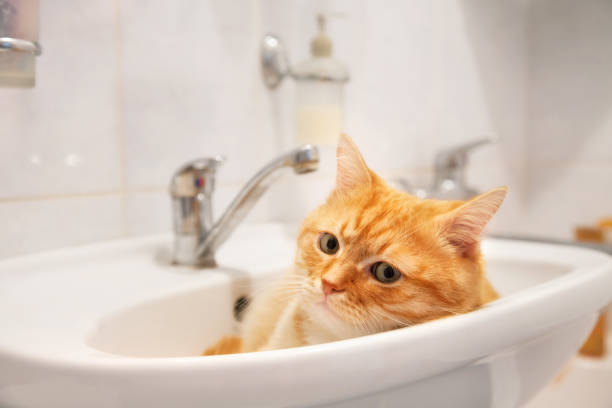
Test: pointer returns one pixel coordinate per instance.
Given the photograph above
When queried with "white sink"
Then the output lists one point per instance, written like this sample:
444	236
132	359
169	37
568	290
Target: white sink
115	325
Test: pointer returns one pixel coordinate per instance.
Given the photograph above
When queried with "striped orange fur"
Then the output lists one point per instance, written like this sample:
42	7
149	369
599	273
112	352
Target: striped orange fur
227	345
434	244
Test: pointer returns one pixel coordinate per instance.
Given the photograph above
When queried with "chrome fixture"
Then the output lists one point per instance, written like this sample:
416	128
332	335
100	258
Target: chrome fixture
275	64
17	45
449	174
191	188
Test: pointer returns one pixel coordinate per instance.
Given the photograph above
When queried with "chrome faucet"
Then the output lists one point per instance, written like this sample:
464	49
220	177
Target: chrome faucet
449	175
449	172
191	188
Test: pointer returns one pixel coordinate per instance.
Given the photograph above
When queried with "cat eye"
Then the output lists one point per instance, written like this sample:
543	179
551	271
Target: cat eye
328	243
385	273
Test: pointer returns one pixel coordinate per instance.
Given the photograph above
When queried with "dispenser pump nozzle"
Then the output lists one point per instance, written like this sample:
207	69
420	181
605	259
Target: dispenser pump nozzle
321	45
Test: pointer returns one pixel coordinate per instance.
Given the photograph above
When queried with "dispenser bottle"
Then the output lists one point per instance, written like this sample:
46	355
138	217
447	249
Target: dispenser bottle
319	120
320	92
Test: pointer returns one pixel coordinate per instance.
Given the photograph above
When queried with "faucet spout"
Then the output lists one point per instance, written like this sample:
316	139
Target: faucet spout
304	159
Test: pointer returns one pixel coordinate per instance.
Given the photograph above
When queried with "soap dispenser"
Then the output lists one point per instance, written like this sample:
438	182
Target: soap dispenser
320	84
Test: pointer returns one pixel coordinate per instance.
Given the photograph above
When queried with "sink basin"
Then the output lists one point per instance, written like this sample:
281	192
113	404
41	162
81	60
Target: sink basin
116	325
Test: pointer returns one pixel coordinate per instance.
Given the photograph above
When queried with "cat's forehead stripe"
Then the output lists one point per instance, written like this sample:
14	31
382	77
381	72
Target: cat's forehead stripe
384	246
372	199
343	228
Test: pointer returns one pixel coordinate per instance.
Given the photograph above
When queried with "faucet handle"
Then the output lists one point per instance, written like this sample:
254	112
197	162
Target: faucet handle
191	189
449	175
195	177
456	157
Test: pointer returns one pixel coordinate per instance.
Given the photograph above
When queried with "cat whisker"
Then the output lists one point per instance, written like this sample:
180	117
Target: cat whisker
378	324
384	315
285	288
455	312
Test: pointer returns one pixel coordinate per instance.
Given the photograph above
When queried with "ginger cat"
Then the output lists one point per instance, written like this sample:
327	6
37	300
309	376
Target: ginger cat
372	259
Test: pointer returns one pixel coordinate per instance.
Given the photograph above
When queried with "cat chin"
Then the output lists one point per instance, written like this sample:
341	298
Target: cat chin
328	325
322	312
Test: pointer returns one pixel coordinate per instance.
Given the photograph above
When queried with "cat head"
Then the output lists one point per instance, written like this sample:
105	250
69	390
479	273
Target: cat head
375	258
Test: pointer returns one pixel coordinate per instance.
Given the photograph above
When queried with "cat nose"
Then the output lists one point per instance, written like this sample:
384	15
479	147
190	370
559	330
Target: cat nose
330	287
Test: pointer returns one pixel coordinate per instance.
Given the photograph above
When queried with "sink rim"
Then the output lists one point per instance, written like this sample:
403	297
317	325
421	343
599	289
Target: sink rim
583	286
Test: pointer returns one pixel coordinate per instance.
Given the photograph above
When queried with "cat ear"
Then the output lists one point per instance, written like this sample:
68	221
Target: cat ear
462	226
351	171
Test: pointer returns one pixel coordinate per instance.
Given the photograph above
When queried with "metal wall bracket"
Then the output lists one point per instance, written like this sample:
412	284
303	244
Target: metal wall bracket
18	45
274	61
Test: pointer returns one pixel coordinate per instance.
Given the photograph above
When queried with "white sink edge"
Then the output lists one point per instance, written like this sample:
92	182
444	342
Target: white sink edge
598	268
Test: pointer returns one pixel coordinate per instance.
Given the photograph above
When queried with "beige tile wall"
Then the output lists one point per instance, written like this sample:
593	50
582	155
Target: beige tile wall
569	138
425	75
128	90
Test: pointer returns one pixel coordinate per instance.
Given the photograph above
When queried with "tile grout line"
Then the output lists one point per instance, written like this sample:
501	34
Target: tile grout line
121	120
227	184
123	192
81	195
